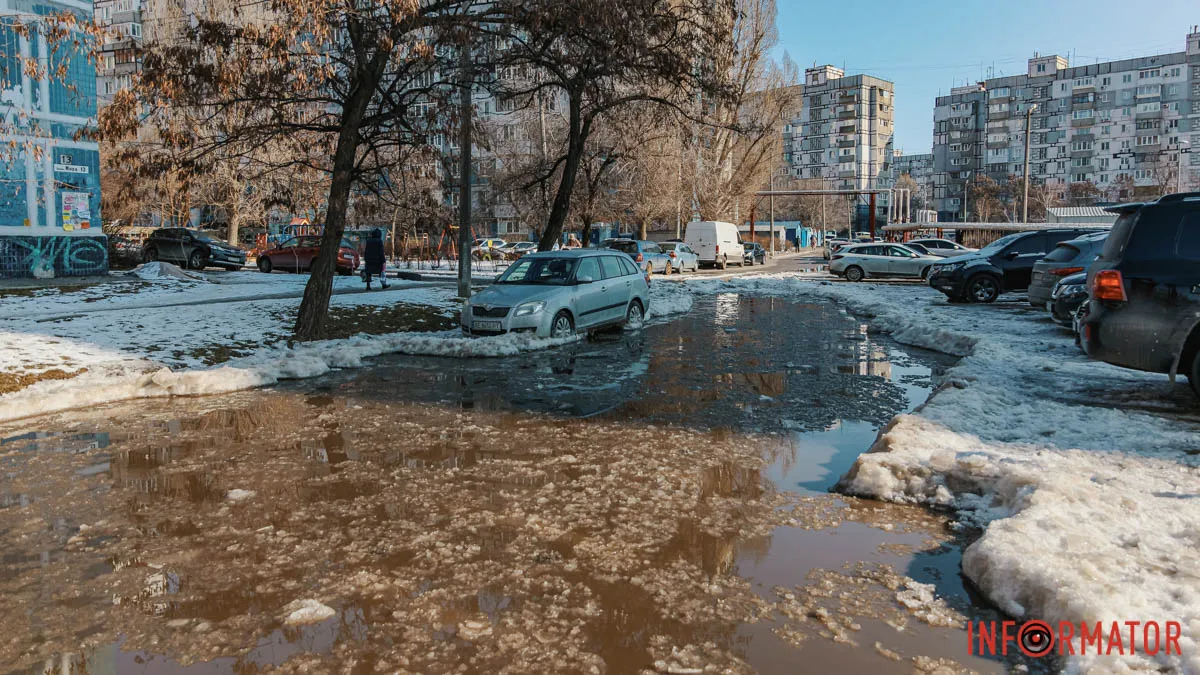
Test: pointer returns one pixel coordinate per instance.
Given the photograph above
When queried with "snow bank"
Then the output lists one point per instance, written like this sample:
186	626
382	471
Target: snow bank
268	366
163	271
667	299
1090	512
303	612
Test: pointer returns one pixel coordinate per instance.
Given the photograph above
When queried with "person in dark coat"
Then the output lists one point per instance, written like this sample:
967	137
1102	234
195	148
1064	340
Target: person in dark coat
373	259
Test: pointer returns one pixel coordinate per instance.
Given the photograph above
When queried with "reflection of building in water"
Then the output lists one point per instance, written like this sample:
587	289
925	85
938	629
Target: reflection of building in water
870	359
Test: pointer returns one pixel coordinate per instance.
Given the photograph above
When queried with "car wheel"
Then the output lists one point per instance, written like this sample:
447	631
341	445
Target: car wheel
635	316
151	255
724	262
196	260
1193	373
854	273
668	270
563	325
983	288
264	265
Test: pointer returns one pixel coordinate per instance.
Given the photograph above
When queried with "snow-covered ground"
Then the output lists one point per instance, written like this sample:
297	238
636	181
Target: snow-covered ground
1091	512
154	336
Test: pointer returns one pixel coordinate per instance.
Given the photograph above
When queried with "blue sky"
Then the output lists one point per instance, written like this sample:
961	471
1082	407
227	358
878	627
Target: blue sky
928	46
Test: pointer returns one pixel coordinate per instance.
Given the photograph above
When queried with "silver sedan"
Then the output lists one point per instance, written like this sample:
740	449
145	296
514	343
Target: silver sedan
860	261
560	293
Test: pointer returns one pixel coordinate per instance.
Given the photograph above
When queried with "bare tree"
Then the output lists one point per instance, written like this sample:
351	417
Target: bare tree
1083	193
985	196
336	86
735	154
600	56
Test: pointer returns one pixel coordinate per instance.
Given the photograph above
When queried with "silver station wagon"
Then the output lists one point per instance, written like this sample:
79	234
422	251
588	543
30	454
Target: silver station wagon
559	293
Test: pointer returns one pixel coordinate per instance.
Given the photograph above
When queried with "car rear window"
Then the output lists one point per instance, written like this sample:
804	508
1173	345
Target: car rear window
1062	253
1118	239
624	246
611	266
1188	244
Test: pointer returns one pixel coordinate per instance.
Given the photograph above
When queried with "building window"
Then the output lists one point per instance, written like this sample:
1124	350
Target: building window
1147	140
1127	78
1104	145
1148	107
1104	82
1083	114
1147	74
1079	146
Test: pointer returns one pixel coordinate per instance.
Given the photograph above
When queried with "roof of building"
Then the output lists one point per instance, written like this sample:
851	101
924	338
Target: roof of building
1079	212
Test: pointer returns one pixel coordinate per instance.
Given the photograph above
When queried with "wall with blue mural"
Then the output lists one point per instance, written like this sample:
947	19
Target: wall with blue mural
47	257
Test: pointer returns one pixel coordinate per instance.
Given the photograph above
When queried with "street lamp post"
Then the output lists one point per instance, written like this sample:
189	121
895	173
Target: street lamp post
1025	200
1179	166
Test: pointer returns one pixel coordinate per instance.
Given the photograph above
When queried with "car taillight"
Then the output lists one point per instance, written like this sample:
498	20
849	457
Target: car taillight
639	258
672	254
1109	285
718	249
1066	271
837	257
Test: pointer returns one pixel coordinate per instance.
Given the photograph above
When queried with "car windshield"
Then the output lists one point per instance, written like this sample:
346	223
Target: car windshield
999	245
540	272
206	237
918	248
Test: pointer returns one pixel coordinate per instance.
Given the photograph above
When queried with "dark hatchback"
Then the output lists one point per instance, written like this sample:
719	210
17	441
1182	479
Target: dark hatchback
1068	294
192	249
1144	311
1002	266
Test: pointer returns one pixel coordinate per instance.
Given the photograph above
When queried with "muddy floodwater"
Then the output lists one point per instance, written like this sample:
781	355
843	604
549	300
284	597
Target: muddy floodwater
651	501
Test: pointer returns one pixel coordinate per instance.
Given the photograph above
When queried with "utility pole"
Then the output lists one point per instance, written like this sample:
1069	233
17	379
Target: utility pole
772	200
1025	200
464	174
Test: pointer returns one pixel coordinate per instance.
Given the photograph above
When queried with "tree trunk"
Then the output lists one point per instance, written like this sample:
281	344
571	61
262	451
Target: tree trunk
233	229
562	199
642	227
586	233
310	322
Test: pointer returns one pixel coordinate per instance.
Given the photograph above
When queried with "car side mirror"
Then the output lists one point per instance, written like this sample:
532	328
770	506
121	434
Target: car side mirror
584	279
1012	255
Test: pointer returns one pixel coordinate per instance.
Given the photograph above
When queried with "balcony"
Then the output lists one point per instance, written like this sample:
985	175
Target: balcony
848	97
999	115
1087	86
1083	122
847	129
1083	136
1149	114
846	114
1082	153
844	172
846	143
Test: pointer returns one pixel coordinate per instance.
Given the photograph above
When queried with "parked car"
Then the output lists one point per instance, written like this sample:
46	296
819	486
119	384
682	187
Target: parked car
832	245
1144	310
488	248
648	255
519	249
918	248
683	258
942	248
1069	257
753	252
560	293
1069	293
1002	266
298	253
191	249
718	244
859	261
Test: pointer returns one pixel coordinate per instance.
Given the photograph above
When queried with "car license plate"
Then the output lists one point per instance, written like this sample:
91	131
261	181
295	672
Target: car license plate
488	325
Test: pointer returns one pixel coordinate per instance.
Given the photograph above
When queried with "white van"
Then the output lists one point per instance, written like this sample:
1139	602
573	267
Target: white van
715	242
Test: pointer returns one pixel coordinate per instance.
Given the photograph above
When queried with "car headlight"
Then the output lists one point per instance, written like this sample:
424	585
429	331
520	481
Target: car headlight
952	267
529	308
1068	289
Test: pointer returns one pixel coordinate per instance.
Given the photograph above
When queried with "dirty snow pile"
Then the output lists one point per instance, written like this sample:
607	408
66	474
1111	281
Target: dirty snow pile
1091	511
156	271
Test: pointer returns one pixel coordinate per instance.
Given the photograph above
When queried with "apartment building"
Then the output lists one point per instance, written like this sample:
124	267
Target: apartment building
843	134
120	55
920	168
49	179
1119	124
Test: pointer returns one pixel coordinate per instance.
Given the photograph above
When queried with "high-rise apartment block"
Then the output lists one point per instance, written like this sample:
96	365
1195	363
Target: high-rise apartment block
120	55
1119	125
920	168
843	135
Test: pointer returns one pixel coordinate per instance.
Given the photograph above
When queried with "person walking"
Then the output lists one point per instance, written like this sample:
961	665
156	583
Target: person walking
373	259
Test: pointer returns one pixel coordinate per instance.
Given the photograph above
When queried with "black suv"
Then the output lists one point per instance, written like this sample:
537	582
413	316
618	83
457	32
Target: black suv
191	248
1144	311
1003	265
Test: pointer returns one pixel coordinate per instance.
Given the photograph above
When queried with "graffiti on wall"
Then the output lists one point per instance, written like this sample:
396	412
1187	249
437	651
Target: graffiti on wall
49	257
